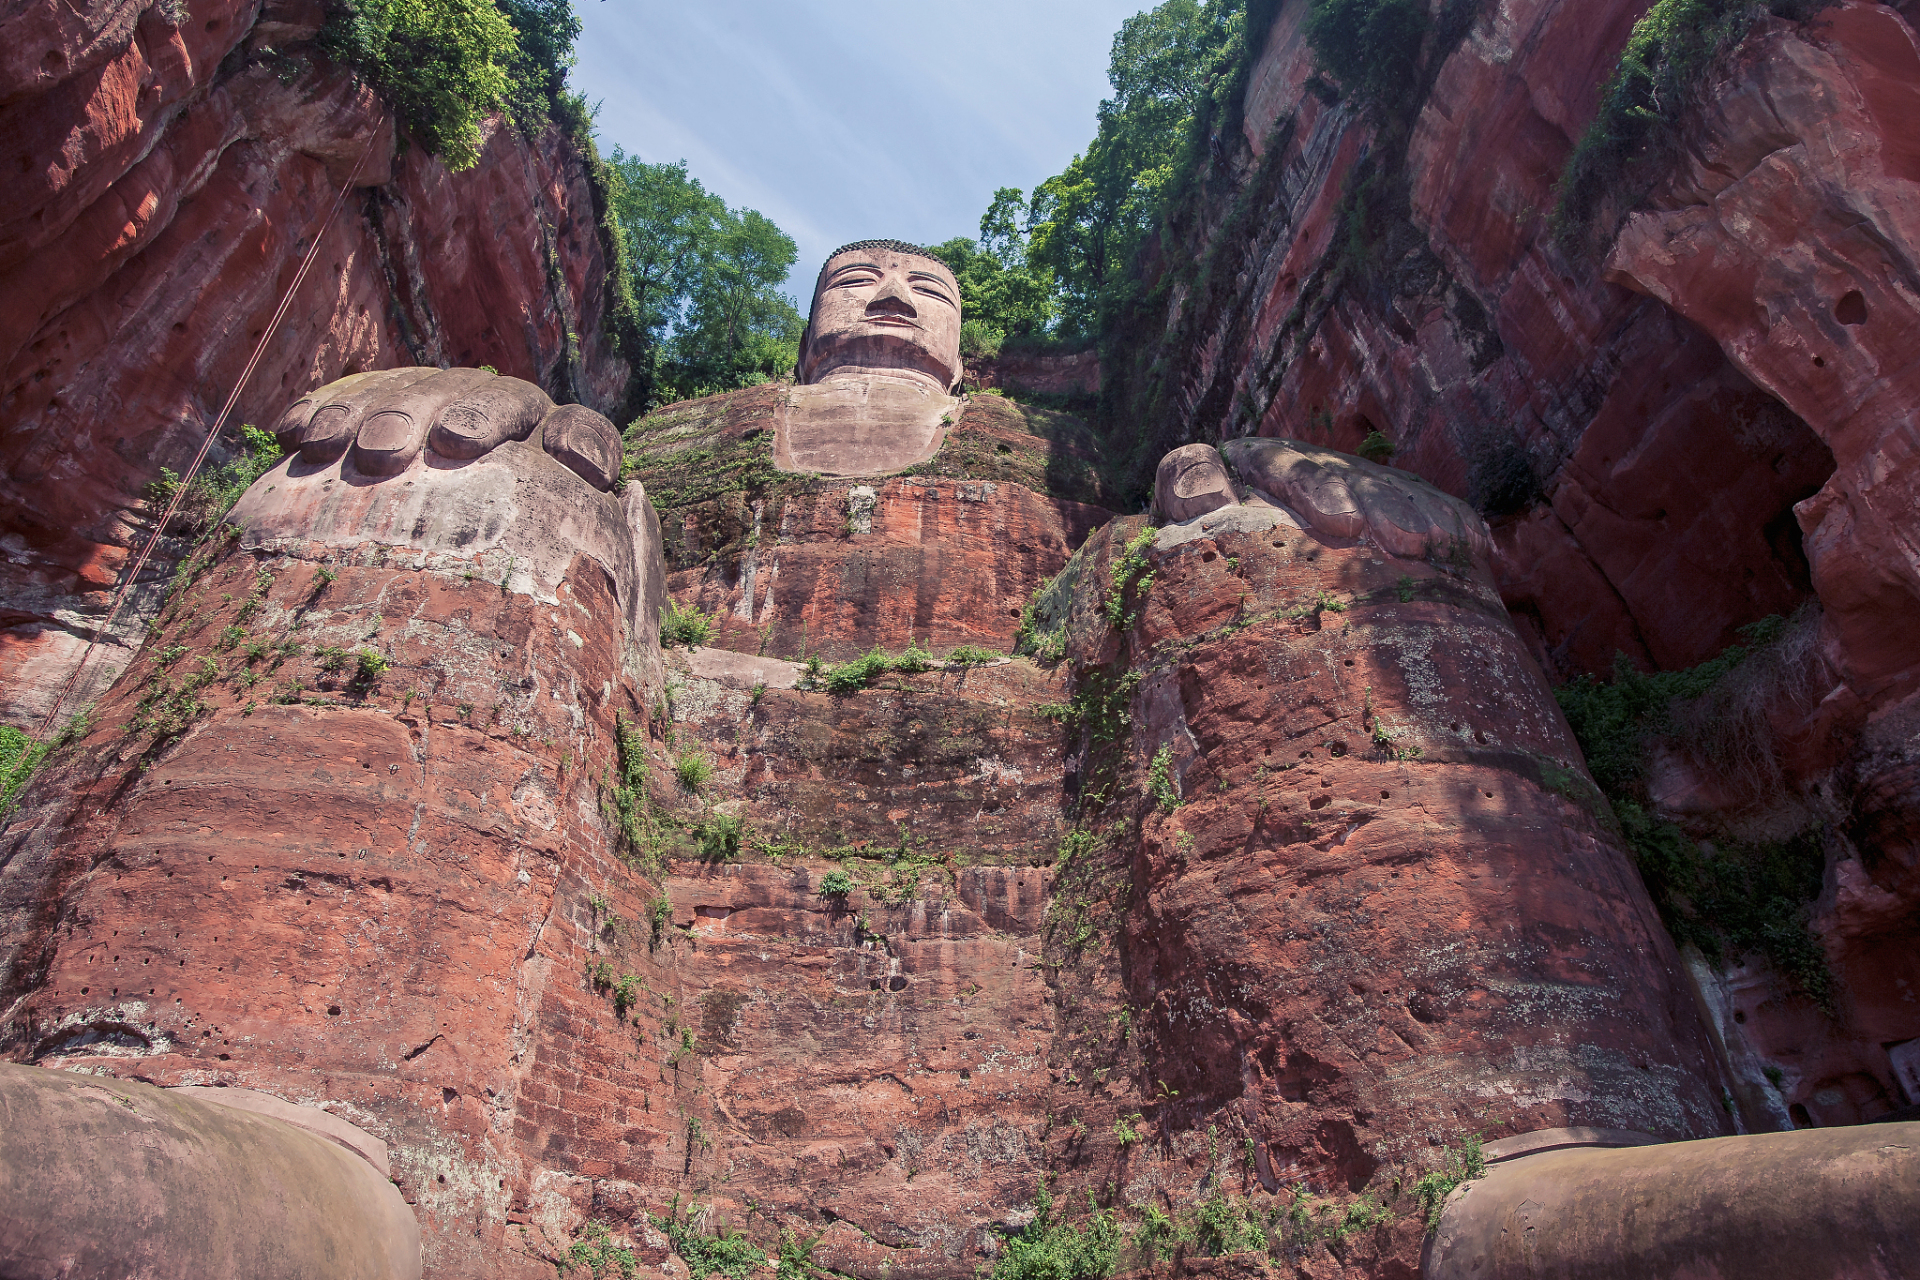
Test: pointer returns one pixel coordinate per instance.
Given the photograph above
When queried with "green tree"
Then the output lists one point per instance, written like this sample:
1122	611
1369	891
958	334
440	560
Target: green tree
544	32
445	65
1085	225
705	282
441	63
1000	295
739	328
1372	47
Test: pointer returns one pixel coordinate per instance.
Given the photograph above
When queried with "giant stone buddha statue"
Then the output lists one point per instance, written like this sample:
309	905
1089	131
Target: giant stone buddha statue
359	828
878	363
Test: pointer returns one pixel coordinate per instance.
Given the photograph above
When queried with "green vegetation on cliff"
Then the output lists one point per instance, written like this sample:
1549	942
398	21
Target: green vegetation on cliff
1658	80
445	65
1729	897
1083	228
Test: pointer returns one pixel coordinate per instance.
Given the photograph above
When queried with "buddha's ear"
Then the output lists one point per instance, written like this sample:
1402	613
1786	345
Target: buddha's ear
800	358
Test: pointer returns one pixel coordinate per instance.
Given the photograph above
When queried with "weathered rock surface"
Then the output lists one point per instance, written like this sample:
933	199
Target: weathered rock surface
1675	431
170	175
113	1177
947	554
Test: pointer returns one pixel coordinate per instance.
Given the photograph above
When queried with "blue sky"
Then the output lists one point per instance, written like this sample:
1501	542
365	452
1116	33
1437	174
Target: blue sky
851	119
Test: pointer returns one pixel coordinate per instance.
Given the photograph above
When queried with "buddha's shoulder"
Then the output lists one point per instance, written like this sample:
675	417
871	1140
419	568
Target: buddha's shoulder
695	451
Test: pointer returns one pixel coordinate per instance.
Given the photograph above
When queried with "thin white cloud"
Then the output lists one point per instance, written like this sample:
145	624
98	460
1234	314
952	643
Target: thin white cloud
844	119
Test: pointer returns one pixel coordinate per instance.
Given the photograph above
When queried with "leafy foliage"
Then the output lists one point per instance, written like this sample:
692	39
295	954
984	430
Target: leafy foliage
727	1251
1458	1166
1130	574
836	884
968	655
719	837
1725	897
1001	294
705	281
1371	47
20	757
1222	1226
693	769
1668	55
443	64
1048	1249
1160	780
544	32
628	803
215	490
685	624
1085	225
596	1252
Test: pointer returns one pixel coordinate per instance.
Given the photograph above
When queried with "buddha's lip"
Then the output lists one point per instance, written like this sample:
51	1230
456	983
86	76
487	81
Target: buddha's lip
902	321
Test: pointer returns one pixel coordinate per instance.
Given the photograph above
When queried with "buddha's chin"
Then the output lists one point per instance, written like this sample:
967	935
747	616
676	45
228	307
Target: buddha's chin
871	346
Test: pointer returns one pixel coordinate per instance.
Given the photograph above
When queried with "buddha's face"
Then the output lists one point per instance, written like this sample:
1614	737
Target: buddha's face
884	309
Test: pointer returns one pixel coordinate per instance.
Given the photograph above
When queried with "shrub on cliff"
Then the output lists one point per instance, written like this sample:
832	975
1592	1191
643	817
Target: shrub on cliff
1657	81
1372	47
1728	897
445	65
215	490
1047	1249
442	64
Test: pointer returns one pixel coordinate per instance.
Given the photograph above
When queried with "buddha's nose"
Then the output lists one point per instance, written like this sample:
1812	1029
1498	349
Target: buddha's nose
892	298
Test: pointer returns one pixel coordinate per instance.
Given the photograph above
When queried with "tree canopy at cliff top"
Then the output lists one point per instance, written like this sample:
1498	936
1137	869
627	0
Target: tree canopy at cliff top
1058	264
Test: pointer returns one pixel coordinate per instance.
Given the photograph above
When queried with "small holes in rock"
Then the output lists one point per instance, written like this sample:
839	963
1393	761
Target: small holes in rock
1013	613
1385	796
333	1011
1208	558
1819	362
1487	794
896	983
965	1074
448	1095
1851	309
1480	737
1739	1015
1336	749
1320	802
1349	661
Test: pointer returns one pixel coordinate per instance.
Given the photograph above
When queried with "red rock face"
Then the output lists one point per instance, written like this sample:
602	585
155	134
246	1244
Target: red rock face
850	566
1658	475
162	210
1322	784
357	891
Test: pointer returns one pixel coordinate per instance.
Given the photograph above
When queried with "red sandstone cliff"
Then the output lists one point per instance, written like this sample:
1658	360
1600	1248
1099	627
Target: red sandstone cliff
1695	421
168	167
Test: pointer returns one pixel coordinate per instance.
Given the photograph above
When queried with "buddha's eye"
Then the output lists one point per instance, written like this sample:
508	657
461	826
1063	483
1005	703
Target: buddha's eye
933	293
855	281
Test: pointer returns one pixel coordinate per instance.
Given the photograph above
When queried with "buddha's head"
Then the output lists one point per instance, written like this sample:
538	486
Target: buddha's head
884	304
